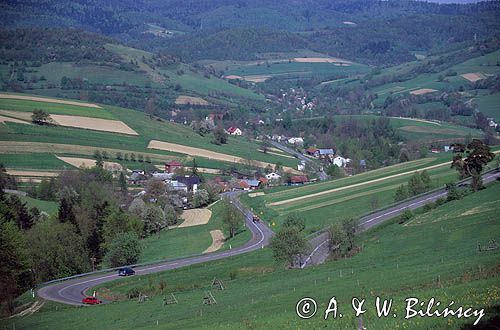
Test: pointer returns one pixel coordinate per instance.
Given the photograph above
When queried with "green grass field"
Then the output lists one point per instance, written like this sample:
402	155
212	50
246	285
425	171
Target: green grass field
294	69
489	104
486	65
348	197
178	242
54	108
45	206
190	81
435	255
147	128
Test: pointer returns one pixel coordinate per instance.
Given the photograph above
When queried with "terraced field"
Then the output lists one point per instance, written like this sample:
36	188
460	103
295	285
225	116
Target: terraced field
24	139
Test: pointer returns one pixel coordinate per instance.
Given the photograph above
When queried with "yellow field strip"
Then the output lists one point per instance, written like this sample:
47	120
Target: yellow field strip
32	173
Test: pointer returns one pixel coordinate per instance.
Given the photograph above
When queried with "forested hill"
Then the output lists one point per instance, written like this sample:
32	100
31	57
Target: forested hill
368	31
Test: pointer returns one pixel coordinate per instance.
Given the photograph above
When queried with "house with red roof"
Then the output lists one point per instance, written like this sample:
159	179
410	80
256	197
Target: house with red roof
299	179
172	166
233	130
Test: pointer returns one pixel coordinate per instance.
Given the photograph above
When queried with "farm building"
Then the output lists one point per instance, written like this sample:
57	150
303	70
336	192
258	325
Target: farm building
191	182
137	179
296	141
172	166
326	154
312	151
234	131
341	161
249	184
299	179
273	176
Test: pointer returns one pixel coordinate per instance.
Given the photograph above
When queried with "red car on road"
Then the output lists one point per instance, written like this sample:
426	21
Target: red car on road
91	301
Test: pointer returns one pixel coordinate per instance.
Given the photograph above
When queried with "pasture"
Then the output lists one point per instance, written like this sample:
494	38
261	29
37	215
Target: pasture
296	67
180	241
75	141
441	250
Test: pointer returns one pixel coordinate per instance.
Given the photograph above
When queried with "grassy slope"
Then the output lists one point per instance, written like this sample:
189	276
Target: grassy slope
322	210
484	64
46	206
190	81
179	242
147	128
435	258
297	69
489	104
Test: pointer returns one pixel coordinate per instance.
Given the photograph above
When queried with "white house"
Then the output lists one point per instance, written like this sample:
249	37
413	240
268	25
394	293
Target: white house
273	176
341	161
234	131
296	140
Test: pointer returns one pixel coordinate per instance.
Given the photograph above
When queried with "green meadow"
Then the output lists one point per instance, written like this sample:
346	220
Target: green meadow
54	108
179	242
295	69
440	246
148	129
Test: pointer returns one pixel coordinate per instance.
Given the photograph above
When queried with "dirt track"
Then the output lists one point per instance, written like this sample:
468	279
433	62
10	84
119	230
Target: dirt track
217	241
97	124
183	99
423	91
4	119
291	200
87	163
319	60
32	173
473	77
195	217
49	100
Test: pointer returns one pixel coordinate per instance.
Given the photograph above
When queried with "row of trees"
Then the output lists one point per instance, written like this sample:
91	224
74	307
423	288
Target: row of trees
418	183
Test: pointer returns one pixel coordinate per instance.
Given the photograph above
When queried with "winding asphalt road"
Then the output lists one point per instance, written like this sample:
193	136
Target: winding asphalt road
320	246
72	291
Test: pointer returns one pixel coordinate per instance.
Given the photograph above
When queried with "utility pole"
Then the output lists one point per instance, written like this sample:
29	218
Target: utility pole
93	260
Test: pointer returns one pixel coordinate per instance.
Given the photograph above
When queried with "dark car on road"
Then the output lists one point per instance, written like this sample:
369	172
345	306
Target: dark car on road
127	271
91	301
255	218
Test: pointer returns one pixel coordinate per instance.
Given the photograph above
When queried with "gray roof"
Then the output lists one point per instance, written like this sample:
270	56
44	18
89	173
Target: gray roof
326	151
252	183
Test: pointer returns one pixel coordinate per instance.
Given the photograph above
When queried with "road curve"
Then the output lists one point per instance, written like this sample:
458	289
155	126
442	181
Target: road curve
72	291
320	248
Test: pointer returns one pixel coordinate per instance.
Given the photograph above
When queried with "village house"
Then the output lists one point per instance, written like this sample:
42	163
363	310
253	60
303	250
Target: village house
172	166
298	179
137	178
298	141
326	154
250	184
273	176
163	176
312	151
234	131
191	182
341	161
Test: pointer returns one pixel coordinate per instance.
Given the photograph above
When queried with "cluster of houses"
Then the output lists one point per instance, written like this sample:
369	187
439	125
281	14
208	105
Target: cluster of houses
298	99
328	155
